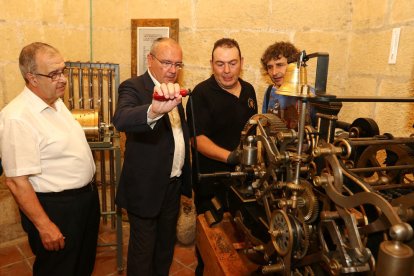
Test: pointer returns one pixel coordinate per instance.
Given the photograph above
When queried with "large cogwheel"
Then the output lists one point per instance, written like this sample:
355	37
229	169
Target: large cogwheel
289	234
271	123
281	232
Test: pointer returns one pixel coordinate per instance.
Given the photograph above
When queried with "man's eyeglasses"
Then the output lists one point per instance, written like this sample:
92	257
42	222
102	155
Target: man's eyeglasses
166	64
54	76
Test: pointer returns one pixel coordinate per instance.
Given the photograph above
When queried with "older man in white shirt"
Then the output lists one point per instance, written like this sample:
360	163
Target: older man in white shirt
49	168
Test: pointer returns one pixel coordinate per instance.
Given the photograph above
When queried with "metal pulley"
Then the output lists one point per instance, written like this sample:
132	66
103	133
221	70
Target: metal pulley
363	127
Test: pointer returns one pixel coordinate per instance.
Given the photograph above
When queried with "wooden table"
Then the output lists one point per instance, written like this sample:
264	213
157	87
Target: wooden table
218	247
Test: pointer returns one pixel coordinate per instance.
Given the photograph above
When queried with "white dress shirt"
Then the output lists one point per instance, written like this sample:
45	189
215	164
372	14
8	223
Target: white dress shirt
179	145
46	144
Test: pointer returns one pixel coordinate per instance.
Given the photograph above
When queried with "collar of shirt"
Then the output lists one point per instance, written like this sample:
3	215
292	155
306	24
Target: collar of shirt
37	103
157	83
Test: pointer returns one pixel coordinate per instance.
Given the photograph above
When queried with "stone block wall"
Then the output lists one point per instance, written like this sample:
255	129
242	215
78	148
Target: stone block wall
355	33
10	227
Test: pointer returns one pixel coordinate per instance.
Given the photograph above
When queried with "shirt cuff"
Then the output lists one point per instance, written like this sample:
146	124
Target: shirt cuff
152	122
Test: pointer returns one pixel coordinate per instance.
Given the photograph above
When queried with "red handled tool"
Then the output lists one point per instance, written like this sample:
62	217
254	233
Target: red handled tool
183	92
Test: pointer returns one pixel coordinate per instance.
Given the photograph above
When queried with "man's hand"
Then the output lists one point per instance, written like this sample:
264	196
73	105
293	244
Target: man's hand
234	157
170	91
52	238
22	190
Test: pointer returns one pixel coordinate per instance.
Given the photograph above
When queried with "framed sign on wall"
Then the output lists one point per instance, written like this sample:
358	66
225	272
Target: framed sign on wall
143	33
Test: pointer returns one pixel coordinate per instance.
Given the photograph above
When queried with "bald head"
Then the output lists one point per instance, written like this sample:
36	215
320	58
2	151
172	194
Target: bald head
165	60
162	42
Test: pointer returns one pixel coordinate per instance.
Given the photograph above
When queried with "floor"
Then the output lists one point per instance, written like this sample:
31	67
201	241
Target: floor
16	258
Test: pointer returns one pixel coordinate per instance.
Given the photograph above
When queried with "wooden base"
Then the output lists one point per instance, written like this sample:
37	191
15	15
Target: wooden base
217	246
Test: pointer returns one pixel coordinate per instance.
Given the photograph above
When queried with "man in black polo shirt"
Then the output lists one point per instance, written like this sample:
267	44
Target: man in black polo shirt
222	105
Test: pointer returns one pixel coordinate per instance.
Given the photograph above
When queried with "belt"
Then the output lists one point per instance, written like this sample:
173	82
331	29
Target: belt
91	186
175	178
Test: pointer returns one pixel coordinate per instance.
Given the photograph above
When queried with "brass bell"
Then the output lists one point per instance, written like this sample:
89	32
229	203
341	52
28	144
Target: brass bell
295	82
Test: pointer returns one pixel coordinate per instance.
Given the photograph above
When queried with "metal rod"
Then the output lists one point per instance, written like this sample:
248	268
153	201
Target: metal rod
378	169
301	131
103	184
71	93
110	104
119	236
112	187
100	91
90	87
368	142
393	186
80	81
333	98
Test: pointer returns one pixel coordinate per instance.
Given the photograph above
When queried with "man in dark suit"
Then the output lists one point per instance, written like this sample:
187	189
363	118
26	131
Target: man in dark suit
156	167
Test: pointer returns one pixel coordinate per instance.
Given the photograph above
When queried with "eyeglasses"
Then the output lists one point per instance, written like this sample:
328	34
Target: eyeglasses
54	76
166	64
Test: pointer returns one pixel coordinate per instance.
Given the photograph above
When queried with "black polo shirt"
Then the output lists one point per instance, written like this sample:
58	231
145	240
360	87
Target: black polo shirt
220	116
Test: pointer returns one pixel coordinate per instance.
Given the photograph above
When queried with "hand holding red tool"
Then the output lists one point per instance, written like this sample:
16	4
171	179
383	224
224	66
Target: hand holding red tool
183	92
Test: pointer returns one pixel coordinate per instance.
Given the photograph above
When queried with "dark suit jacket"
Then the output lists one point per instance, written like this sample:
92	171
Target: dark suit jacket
149	152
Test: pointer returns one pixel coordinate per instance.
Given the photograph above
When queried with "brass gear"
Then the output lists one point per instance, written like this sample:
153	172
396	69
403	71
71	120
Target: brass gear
310	208
281	232
271	123
303	239
289	234
294	187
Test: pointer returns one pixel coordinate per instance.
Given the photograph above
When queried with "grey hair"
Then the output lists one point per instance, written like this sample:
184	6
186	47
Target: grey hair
27	58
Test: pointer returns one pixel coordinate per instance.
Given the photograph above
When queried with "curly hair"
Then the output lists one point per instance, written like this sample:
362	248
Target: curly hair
278	50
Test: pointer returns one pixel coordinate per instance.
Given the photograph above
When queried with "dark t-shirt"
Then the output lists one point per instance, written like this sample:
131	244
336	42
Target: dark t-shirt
221	117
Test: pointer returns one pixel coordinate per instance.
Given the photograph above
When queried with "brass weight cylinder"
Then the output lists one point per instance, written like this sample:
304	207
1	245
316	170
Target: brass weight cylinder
90	122
394	258
249	156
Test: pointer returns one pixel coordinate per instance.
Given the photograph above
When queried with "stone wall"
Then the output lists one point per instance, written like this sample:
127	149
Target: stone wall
10	227
355	33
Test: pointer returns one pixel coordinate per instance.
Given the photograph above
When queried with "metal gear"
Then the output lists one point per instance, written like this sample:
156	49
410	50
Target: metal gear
386	155
294	187
289	234
302	235
281	232
310	208
271	123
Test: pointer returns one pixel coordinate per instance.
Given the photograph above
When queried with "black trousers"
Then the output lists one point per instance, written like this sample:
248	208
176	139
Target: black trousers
152	240
77	216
